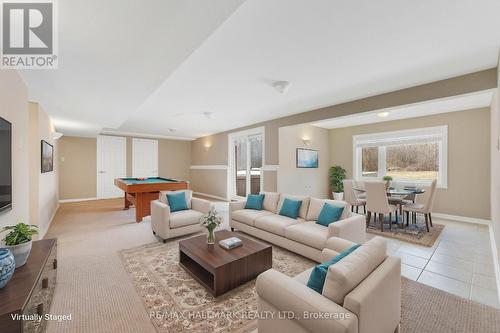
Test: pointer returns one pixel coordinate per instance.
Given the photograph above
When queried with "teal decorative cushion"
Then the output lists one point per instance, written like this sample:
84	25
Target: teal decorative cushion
255	201
177	201
329	214
318	274
290	208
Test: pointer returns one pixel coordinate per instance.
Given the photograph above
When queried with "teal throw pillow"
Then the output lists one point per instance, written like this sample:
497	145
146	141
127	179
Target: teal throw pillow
255	201
290	208
177	201
329	214
318	274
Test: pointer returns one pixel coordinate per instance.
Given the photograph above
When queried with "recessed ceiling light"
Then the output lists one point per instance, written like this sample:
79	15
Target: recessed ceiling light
172	130
208	114
382	114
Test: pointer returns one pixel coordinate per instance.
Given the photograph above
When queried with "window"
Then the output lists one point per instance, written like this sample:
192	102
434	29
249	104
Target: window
411	156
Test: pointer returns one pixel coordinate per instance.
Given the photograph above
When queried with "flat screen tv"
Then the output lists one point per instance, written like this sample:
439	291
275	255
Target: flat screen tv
5	165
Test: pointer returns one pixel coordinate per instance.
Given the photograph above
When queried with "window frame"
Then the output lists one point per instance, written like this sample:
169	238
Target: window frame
381	140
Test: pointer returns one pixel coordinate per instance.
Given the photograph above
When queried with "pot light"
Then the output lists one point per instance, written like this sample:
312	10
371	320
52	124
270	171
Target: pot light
382	114
281	86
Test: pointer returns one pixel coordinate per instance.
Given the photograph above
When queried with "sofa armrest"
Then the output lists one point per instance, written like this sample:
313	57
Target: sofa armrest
351	228
160	217
334	246
237	205
200	205
377	299
287	294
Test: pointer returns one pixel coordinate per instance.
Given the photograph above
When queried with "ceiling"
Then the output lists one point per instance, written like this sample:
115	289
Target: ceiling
190	68
444	105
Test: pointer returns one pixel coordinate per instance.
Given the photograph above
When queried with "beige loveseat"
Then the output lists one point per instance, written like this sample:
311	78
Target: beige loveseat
362	293
302	235
167	224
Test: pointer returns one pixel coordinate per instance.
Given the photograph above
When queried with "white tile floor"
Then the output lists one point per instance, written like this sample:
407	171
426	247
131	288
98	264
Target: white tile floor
460	262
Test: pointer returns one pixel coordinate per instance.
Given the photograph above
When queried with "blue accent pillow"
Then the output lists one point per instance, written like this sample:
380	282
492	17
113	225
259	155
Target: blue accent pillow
329	214
255	201
177	201
290	208
318	274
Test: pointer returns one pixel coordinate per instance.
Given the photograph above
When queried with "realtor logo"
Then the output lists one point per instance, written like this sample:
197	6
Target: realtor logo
29	39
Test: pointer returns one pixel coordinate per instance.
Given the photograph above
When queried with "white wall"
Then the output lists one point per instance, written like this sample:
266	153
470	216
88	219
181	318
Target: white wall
495	165
293	180
44	186
14	108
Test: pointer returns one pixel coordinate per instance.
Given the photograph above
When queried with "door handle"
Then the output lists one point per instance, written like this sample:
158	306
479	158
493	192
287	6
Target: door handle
102	171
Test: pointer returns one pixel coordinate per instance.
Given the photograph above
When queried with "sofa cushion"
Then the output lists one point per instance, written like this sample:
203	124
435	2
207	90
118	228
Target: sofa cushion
318	275
276	224
177	201
345	275
255	201
248	216
329	214
303	207
316	205
304	276
290	208
163	196
308	233
270	201
184	218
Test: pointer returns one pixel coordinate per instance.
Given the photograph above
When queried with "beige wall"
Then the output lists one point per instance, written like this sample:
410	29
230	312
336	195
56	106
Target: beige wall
78	168
217	154
300	181
14	108
79	156
44	192
468	192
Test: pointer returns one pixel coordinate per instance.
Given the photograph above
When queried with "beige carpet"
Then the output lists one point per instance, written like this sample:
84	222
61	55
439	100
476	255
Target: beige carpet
92	284
180	302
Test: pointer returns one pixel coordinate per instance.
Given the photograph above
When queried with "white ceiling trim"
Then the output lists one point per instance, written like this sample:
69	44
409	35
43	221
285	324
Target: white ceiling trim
415	110
146	136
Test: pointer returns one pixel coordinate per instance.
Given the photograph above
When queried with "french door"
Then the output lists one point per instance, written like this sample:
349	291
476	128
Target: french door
144	158
246	155
111	164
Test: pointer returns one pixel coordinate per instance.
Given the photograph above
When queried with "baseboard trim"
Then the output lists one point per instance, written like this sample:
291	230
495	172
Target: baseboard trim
461	218
494	252
44	232
77	200
210	196
209	167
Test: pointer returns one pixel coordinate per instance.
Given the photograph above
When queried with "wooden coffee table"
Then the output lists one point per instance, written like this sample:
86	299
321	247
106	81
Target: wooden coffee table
220	270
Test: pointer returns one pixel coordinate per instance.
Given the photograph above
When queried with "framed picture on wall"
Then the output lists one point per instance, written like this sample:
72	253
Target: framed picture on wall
307	158
47	157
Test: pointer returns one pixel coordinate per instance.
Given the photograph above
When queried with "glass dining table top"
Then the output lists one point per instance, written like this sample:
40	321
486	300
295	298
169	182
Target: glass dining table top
398	191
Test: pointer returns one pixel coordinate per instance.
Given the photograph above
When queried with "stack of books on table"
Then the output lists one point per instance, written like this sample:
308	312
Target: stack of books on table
230	243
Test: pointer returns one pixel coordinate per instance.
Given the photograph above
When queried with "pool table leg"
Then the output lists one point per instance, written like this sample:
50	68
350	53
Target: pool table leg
139	206
125	201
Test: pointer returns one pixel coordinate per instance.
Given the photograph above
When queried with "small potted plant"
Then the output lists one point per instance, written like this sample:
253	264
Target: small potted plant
337	175
387	180
19	241
211	221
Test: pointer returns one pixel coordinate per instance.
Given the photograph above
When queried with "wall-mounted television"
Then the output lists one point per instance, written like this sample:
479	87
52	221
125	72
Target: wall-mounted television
5	165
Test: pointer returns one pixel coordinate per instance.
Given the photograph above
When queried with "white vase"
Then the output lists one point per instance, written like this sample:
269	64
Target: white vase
338	195
21	252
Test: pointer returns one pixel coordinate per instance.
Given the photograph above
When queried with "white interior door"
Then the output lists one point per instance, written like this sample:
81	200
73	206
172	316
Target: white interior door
144	158
111	164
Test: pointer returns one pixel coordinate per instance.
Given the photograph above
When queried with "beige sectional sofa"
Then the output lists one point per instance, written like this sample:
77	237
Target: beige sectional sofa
362	293
302	235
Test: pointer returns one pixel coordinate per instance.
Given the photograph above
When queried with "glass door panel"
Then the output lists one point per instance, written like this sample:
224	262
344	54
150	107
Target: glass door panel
255	144
240	155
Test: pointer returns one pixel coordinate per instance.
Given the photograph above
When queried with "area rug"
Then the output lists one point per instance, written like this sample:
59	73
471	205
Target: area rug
177	303
414	233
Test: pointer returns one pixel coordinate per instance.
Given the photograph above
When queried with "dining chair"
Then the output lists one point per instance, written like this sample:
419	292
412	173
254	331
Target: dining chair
361	185
377	203
351	197
423	205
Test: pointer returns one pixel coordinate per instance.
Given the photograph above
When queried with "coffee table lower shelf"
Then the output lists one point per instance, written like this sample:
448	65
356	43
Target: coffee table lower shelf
200	274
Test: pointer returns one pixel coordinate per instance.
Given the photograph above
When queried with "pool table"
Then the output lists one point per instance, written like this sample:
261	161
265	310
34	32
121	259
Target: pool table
140	192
